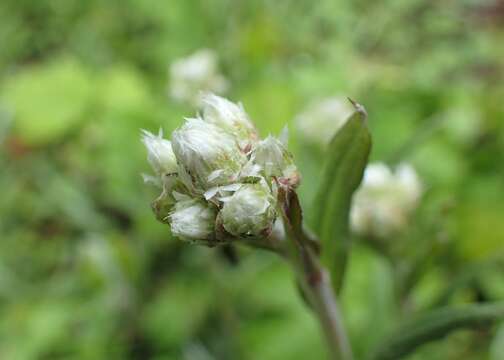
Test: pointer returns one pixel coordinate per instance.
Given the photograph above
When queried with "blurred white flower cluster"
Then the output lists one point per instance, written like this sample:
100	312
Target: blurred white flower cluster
196	74
322	119
219	179
385	200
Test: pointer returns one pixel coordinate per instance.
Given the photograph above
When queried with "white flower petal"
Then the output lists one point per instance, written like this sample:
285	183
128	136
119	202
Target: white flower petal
159	153
284	136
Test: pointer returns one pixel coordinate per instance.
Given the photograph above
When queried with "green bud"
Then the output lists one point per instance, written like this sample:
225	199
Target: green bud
163	205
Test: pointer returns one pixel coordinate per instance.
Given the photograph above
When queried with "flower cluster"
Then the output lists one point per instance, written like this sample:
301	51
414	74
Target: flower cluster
193	74
219	179
322	119
385	200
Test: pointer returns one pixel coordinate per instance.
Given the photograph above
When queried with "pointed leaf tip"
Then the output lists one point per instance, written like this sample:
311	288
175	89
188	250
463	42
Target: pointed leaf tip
358	107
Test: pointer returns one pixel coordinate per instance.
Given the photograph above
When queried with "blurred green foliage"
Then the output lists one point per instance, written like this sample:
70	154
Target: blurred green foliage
85	270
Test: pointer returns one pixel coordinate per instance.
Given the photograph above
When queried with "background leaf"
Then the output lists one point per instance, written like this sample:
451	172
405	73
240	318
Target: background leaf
435	325
48	102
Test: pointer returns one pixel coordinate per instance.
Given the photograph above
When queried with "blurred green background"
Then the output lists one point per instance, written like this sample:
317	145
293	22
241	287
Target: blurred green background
86	272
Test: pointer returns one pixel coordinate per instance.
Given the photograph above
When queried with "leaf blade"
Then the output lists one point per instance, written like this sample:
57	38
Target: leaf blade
435	325
349	151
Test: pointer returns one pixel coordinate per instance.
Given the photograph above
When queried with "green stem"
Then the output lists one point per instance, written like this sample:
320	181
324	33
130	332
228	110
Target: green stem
321	295
316	284
315	281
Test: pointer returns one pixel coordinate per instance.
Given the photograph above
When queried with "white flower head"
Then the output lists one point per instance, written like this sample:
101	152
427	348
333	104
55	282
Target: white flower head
159	153
321	120
193	220
250	211
276	161
207	155
230	117
410	184
221	181
194	74
385	200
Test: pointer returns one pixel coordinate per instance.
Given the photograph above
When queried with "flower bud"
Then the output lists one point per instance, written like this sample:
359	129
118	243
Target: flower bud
384	202
163	205
230	117
191	75
275	160
207	155
193	219
320	121
250	211
159	153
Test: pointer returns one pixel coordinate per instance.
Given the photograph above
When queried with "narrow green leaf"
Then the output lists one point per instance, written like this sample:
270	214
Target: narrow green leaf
433	326
347	157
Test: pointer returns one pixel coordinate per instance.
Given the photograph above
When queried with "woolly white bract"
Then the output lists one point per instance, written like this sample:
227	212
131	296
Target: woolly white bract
194	74
159	153
276	161
249	211
322	119
231	118
385	200
225	180
208	156
193	220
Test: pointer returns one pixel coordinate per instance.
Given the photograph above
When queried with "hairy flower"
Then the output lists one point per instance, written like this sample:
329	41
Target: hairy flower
193	219
208	156
194	74
321	120
159	153
384	202
230	117
249	211
276	161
